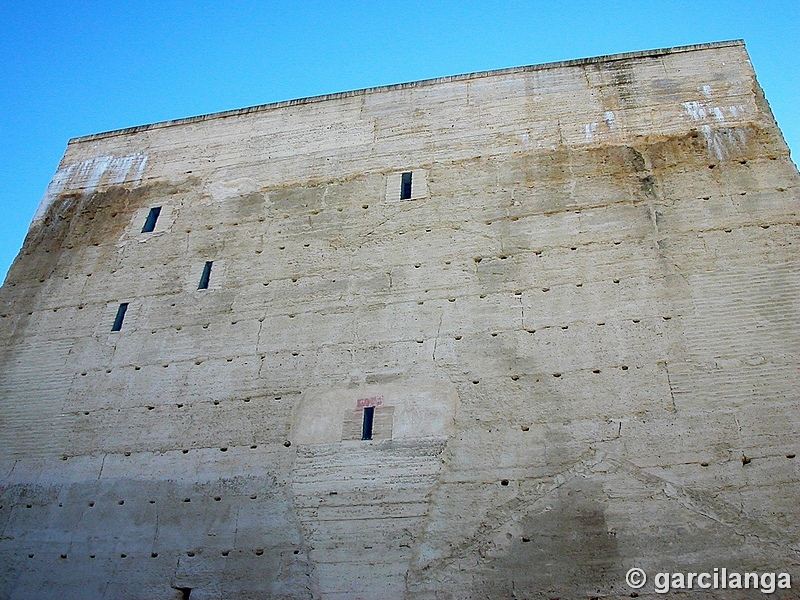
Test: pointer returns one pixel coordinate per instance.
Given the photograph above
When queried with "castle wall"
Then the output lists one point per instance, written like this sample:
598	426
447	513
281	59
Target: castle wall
577	338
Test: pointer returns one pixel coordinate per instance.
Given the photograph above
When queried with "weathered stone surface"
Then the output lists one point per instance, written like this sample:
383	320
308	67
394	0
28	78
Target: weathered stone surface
577	337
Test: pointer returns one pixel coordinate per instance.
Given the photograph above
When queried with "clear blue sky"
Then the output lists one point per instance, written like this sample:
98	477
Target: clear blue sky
77	67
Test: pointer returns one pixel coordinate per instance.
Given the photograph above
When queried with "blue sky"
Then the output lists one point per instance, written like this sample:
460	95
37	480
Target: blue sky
74	68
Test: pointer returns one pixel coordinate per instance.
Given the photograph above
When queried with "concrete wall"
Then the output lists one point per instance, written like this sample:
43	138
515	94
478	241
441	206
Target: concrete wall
578	337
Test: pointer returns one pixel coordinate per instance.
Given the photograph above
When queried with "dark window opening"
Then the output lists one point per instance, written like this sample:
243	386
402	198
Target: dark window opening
120	317
186	593
205	276
366	428
152	217
405	187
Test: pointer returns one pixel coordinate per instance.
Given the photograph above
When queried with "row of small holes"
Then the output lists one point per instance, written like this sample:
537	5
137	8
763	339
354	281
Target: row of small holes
92	504
556	374
180	405
286	443
417	265
257	552
419	341
516	292
504	482
496	333
166	365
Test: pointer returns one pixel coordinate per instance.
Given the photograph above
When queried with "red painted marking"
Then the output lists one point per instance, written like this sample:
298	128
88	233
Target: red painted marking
367	402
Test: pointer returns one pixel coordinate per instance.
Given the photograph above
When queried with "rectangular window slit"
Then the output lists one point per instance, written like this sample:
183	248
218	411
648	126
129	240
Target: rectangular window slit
366	428
205	276
405	187
120	317
152	217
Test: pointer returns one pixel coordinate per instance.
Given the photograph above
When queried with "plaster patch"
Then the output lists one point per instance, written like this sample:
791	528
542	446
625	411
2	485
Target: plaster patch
421	409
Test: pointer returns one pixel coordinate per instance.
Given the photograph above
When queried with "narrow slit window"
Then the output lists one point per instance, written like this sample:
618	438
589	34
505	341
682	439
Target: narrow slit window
204	278
117	326
366	427
405	186
152	217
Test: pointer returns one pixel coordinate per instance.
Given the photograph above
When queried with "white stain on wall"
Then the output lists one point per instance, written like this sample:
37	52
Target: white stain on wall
696	110
87	175
723	142
590	129
701	111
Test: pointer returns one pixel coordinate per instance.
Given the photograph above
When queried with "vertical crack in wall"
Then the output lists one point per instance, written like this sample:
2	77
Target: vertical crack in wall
154	545
436	339
671	390
258	347
102	465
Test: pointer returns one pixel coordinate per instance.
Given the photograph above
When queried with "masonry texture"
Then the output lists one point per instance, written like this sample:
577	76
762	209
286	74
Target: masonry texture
575	333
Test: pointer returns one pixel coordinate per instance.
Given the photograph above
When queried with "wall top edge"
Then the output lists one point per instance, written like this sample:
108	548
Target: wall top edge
409	85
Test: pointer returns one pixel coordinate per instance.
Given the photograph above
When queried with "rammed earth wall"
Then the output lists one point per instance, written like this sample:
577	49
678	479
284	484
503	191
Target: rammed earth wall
574	335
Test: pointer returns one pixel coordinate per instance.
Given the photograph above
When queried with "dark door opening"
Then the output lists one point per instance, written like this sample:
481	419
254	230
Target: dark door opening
152	217
206	276
366	428
405	187
120	317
